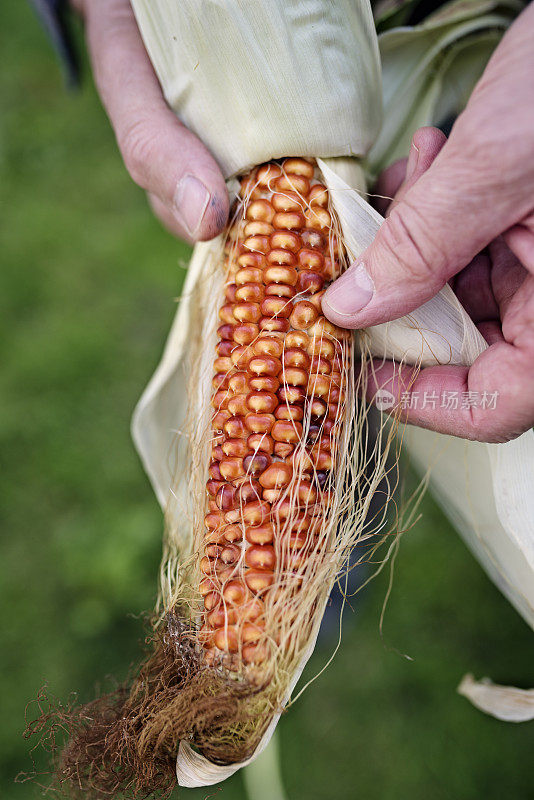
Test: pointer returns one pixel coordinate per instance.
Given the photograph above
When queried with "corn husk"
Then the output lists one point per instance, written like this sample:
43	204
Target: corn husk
430	70
503	702
224	68
259	80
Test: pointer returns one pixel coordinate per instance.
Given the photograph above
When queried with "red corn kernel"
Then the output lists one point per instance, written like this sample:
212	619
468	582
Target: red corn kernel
213	487
255	464
296	357
304	315
254	260
275	325
255	513
298	166
245	333
260	423
318	195
262	402
268	173
258	227
297	339
280	290
276	307
281	257
310	282
257	244
286	431
260	210
283	450
233	533
249	293
224	348
226	639
276	475
265	383
261	442
279	274
232	468
285	239
265	365
293	376
260	556
238	383
248	275
285	411
258	581
292	183
235	427
291	394
269	346
239	355
237	405
234	448
287	201
213	520
260	534
247	312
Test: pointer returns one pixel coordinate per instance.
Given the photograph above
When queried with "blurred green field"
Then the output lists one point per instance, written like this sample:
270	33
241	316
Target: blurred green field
87	287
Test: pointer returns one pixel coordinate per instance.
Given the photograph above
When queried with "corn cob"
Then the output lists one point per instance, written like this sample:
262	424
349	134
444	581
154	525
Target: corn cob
278	401
279	505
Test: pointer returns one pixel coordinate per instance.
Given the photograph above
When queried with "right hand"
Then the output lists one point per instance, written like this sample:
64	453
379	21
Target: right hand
464	215
184	183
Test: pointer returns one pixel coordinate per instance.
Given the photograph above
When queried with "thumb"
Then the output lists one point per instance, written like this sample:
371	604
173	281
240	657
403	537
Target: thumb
439	222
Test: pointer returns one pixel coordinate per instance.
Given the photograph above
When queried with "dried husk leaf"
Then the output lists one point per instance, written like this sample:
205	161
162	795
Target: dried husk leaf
502	702
259	80
429	70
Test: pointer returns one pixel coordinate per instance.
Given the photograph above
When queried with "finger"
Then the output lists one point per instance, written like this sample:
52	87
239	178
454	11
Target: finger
473	288
507	274
520	240
492	401
491	331
161	155
166	217
448	215
388	184
426	144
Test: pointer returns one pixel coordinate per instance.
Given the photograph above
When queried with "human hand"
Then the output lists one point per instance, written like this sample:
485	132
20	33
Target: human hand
465	208
184	183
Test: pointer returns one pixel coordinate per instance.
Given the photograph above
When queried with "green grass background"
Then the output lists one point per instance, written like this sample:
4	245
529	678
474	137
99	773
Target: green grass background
87	287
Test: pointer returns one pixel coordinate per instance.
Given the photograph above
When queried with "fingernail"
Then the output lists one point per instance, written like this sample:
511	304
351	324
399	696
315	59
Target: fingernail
191	200
351	292
413	158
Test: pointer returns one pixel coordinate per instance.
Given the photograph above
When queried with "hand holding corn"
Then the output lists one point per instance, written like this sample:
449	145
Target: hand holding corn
184	183
465	213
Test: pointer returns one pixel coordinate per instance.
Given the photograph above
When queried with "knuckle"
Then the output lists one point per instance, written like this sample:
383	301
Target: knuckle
137	146
409	247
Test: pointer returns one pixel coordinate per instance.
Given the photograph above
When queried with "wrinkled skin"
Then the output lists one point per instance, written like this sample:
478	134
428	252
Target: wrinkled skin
463	212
